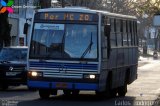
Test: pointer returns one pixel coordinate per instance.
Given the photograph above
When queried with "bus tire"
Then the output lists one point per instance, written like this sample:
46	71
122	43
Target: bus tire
122	90
75	92
67	92
106	93
32	89
100	94
4	86
54	92
114	93
44	94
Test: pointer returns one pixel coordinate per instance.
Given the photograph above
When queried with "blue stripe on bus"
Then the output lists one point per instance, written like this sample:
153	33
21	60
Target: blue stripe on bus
65	65
79	86
86	86
38	84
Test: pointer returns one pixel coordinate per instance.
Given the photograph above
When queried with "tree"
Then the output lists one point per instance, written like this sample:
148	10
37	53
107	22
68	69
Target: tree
4	29
148	8
94	4
138	8
45	3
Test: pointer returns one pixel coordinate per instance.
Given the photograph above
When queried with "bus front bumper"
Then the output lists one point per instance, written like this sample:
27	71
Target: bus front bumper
62	85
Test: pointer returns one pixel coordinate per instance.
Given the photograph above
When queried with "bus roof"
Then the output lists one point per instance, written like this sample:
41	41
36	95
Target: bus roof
85	10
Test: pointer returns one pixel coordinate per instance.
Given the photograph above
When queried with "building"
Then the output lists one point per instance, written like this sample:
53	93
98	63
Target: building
23	11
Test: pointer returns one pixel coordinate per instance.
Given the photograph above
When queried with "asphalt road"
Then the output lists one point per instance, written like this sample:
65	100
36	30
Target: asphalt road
143	92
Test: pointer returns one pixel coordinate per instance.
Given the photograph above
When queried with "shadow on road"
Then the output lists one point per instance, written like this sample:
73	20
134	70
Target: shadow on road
15	92
17	89
79	100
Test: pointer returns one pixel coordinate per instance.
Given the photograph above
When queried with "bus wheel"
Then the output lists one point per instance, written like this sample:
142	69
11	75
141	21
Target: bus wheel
122	90
99	94
44	94
103	94
67	92
32	89
75	92
106	93
113	93
4	86
54	92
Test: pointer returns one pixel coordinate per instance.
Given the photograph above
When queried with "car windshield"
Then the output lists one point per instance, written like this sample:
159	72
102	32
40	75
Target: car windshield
69	41
13	54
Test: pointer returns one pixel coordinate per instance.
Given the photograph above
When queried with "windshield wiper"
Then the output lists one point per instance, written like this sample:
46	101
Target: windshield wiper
88	49
63	39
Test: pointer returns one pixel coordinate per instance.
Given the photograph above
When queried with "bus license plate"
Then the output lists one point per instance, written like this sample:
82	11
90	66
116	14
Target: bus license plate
61	85
12	73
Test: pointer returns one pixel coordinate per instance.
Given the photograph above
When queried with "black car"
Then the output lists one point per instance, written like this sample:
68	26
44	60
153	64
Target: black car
13	62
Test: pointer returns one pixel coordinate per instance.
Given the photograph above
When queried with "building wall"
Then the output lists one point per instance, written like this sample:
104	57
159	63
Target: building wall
14	30
23	9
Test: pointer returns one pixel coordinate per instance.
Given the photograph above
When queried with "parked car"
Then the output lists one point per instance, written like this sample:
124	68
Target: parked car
13	63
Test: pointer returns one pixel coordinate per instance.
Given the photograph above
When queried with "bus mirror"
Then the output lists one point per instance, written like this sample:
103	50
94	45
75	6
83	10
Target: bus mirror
107	29
25	30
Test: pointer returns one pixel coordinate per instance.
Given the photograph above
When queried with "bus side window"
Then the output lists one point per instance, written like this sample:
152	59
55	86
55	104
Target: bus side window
113	33
129	33
118	33
125	41
132	33
104	43
121	30
136	30
135	33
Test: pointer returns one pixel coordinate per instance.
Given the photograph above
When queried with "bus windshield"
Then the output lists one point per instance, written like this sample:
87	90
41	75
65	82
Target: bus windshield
64	41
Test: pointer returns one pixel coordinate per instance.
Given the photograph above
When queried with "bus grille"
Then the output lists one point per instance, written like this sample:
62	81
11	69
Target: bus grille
64	70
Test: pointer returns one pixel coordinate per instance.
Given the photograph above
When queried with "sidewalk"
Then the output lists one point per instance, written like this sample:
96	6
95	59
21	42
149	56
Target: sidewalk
144	60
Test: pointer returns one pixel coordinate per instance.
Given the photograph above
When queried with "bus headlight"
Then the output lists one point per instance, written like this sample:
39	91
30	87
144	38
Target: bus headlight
35	74
90	76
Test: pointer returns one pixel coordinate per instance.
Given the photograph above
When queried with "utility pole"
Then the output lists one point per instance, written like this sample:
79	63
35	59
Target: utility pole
111	8
26	37
63	4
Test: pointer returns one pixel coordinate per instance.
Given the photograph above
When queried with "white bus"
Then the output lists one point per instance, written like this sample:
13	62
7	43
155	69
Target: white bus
74	49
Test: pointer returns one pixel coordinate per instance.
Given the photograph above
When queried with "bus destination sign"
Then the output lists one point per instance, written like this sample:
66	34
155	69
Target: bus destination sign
66	16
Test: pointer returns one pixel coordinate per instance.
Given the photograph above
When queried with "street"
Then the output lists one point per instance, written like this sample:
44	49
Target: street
144	91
